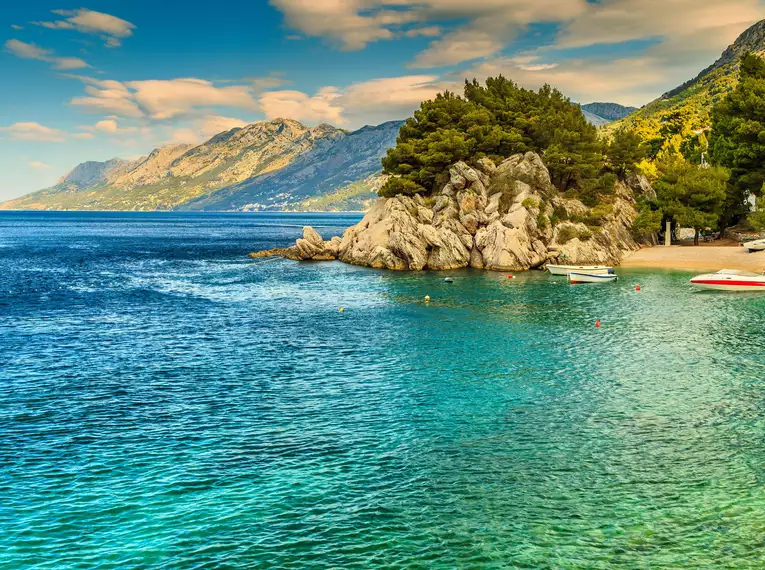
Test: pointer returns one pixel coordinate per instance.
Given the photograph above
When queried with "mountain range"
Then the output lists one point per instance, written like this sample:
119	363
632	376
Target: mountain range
270	165
600	114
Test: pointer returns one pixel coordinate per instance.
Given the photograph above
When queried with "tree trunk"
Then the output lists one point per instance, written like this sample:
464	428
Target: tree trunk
696	237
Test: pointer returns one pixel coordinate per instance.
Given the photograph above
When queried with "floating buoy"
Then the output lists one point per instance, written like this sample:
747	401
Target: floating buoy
637	287
449	280
597	324
427	298
342	310
511	276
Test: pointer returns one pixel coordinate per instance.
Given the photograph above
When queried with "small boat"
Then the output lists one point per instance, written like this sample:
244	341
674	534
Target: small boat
757	245
575	277
730	280
566	269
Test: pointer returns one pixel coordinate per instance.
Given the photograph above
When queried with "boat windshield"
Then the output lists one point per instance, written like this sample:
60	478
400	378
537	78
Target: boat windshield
738	272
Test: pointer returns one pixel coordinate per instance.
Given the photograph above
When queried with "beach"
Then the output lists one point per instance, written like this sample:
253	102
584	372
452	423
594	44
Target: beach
697	258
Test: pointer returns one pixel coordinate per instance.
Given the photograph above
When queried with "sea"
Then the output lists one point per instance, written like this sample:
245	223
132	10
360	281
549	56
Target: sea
167	402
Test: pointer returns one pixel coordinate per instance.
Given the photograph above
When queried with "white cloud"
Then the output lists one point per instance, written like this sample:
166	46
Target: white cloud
17	27
32	51
161	99
302	107
483	26
38	164
355	105
83	136
32	132
204	129
110	28
623	20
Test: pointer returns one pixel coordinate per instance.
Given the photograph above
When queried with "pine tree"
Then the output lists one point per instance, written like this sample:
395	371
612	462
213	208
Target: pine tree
738	136
691	196
624	152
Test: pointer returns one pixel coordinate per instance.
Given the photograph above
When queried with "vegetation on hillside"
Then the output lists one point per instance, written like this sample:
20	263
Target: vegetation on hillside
738	136
494	120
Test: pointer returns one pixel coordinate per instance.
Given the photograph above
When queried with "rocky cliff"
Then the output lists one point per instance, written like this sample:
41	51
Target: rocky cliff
504	217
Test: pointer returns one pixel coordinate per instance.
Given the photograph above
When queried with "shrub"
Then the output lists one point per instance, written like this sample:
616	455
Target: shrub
566	234
585	235
530	203
395	186
542	221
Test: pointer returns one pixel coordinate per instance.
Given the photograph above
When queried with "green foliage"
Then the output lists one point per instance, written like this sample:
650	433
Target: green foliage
625	151
599	214
566	234
594	191
691	196
585	235
647	222
757	218
530	203
396	186
497	119
560	214
738	136
542	220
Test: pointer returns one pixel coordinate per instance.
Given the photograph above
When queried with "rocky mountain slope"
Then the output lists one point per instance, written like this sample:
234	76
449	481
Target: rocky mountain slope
319	172
608	112
233	170
507	218
686	108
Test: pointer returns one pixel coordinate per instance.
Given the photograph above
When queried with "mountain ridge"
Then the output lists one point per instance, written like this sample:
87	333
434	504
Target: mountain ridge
171	176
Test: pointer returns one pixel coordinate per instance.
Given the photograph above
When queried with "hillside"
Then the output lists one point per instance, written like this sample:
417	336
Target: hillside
321	171
235	169
684	111
608	111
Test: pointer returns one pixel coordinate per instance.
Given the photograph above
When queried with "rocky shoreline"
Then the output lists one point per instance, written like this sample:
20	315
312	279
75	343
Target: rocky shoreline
505	217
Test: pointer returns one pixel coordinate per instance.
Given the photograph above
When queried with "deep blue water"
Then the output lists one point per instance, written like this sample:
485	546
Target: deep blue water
169	403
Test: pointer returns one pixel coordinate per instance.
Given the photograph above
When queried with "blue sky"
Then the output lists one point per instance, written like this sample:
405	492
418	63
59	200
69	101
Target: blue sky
119	78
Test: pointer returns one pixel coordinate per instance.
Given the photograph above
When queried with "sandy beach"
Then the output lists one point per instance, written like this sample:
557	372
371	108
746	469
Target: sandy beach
703	257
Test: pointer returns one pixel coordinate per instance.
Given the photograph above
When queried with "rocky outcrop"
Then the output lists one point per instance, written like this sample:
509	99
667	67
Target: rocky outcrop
496	217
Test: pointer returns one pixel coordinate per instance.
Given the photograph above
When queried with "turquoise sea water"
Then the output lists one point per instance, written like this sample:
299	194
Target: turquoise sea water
168	403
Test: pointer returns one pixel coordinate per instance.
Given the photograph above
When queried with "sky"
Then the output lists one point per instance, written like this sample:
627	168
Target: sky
118	78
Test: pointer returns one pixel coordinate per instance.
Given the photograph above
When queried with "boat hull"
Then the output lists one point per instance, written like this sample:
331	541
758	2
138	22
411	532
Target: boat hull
728	285
575	278
590	269
753	246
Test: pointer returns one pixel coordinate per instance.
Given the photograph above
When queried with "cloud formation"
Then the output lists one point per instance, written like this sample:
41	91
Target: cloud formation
32	132
39	165
160	99
109	28
32	51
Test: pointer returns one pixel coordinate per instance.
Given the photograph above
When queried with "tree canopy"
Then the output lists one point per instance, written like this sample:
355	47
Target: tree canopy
692	196
494	120
738	135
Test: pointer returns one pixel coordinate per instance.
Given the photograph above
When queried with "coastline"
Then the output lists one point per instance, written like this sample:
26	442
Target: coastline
695	258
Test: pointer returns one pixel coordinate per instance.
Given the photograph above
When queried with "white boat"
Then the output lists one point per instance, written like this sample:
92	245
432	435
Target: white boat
566	269
730	280
757	245
575	277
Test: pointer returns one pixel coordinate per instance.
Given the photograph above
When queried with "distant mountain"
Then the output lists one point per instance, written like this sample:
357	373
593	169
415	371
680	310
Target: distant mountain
267	165
608	111
351	158
685	109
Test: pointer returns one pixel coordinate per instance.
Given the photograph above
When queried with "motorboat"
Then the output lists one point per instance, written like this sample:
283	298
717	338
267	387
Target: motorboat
577	277
566	269
757	245
730	280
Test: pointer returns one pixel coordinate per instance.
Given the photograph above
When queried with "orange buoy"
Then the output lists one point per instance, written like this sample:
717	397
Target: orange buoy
637	288
511	276
597	324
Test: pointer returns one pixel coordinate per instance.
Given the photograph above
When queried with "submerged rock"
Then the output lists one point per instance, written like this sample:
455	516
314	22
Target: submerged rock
496	217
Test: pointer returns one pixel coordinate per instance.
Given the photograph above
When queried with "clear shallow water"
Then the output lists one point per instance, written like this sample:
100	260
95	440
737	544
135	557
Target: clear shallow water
167	402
